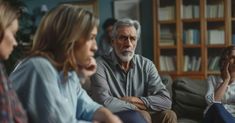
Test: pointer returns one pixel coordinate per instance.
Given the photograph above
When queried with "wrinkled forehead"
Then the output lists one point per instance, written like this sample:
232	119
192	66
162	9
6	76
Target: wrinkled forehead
127	30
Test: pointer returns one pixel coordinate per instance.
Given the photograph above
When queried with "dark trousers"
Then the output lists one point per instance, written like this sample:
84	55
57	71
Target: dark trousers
218	114
130	116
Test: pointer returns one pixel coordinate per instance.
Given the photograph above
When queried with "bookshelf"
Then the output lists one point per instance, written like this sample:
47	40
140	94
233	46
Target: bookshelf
189	35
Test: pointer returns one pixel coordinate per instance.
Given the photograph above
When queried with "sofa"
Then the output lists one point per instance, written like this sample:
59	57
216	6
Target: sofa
188	97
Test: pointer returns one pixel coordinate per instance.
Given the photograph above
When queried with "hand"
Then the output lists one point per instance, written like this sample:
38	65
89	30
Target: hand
103	115
135	101
113	119
88	70
225	71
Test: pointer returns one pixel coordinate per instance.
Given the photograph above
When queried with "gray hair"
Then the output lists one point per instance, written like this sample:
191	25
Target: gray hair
126	22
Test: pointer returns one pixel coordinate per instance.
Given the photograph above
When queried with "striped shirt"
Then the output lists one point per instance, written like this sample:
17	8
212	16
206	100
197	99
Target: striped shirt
142	80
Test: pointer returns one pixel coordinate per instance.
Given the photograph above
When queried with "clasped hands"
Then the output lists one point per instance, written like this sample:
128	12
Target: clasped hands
135	101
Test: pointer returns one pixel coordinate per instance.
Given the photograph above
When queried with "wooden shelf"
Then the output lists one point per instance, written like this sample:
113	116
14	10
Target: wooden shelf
216	45
191	46
167	47
215	19
166	21
191	31
193	20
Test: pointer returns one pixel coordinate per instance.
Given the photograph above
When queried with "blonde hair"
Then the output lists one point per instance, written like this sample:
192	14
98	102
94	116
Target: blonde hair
8	13
59	31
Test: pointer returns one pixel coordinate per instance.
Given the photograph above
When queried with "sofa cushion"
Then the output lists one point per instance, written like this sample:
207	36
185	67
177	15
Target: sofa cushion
167	81
183	120
189	98
191	86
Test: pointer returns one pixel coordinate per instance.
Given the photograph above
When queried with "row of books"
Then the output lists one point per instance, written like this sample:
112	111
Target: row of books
191	36
167	37
213	63
190	11
167	13
215	11
233	39
192	63
215	37
167	63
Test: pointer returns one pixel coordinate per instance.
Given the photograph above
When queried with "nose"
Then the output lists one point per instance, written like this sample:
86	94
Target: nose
94	46
15	43
128	42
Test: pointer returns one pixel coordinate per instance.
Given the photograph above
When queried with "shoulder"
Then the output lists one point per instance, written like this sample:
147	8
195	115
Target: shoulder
35	64
141	58
102	60
39	61
214	80
34	61
99	59
142	61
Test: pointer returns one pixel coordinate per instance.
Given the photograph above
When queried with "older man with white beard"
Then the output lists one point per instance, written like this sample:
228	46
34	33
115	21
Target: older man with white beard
127	81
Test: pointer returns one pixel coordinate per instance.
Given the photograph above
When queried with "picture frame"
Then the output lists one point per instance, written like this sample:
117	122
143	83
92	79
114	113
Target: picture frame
90	5
127	9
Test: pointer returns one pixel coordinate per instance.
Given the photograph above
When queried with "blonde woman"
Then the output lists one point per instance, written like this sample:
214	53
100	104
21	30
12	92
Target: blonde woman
47	82
11	110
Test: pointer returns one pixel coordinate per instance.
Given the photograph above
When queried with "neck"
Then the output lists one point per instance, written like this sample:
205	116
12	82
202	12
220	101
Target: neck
125	65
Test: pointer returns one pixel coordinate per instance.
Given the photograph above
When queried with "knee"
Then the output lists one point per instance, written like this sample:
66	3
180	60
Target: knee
131	117
169	114
146	115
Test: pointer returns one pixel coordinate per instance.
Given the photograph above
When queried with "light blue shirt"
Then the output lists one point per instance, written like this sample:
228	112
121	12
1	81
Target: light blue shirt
48	97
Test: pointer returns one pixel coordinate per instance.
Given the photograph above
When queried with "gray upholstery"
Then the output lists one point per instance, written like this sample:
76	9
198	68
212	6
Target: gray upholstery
167	81
183	120
189	98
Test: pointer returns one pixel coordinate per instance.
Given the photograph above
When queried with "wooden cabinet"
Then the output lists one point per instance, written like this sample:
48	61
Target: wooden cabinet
189	35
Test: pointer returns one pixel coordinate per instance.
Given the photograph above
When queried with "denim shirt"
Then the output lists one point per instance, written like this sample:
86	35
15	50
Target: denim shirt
48	97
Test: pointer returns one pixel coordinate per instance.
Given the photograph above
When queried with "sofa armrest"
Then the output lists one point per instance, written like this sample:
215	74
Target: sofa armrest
167	81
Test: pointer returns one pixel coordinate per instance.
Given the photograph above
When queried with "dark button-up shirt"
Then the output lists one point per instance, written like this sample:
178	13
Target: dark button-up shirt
142	80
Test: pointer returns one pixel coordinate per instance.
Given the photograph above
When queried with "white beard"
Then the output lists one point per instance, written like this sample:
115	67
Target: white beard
125	56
